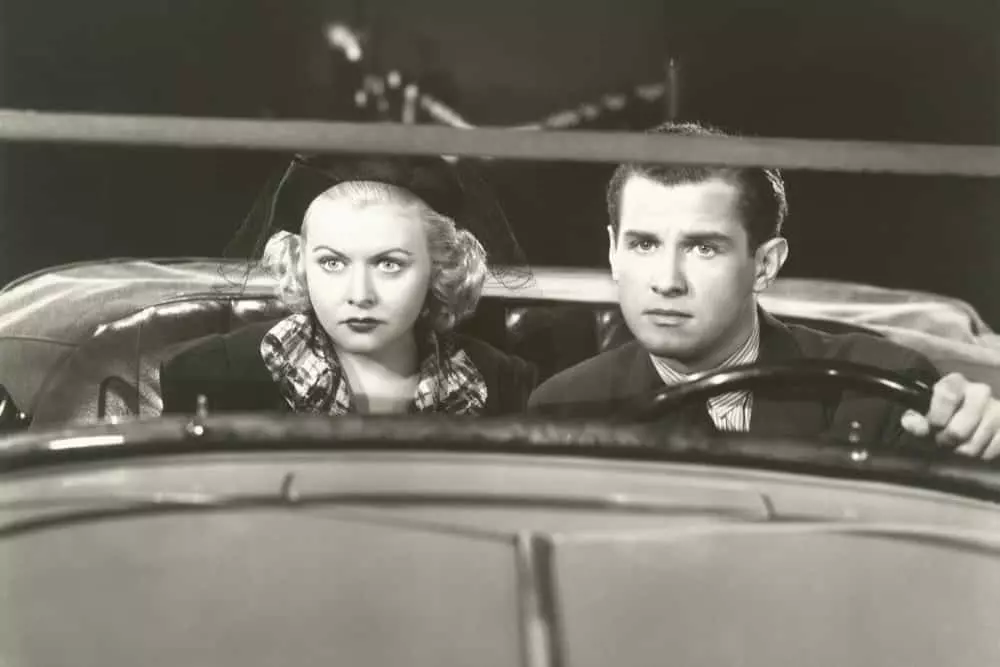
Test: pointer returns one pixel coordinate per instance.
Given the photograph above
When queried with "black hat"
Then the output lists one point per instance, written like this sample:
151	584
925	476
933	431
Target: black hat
455	190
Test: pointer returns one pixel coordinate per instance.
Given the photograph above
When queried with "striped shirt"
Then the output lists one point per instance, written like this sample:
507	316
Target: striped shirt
729	412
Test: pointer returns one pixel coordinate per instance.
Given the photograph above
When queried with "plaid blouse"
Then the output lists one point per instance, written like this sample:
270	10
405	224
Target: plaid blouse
303	363
730	412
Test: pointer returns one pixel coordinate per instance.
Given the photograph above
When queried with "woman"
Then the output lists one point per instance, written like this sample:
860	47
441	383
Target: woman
377	279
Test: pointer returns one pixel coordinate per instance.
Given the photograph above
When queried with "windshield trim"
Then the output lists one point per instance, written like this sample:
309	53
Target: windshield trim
926	468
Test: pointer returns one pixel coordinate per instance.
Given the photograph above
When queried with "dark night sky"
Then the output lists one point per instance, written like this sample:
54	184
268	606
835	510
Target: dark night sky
909	70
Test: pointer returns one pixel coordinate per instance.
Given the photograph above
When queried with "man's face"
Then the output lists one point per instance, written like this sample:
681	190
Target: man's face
685	272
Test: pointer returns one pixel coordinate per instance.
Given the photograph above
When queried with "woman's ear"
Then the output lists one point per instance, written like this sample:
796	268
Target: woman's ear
768	260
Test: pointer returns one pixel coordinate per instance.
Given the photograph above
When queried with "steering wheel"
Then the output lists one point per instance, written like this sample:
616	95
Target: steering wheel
823	374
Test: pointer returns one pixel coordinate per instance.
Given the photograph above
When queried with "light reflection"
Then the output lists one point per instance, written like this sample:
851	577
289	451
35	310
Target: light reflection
87	441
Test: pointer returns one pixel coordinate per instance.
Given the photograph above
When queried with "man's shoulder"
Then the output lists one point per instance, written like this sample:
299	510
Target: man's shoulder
869	349
589	380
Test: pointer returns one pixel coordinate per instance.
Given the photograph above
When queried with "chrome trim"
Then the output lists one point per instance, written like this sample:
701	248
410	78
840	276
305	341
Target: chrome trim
82	441
540	632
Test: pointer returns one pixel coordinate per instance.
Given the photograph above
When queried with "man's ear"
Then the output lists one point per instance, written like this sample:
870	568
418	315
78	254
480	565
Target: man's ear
612	249
768	260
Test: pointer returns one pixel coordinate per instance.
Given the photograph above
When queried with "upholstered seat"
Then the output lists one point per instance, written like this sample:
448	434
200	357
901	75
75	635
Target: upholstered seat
115	373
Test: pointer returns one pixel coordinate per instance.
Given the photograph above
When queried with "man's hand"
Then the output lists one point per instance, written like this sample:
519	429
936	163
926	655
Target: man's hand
963	415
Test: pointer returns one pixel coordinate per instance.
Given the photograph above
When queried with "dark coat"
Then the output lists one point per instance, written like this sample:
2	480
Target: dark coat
229	371
625	376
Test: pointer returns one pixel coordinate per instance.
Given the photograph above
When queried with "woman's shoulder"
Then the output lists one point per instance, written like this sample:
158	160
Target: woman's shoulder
481	351
226	368
510	378
236	351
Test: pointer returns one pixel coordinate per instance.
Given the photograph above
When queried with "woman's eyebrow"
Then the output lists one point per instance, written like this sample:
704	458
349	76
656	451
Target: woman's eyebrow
321	248
402	251
380	253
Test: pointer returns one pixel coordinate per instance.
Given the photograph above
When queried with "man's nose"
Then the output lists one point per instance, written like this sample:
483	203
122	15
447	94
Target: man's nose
362	292
668	276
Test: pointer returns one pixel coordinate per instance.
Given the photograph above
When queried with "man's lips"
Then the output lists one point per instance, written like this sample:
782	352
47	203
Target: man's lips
666	312
666	317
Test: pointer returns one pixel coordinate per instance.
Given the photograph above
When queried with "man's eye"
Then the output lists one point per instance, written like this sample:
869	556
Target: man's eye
642	246
705	250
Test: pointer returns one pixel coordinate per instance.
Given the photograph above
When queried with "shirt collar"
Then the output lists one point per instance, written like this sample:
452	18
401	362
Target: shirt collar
303	363
746	354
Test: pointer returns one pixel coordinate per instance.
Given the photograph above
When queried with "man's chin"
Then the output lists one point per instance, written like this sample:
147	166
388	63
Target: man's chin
672	347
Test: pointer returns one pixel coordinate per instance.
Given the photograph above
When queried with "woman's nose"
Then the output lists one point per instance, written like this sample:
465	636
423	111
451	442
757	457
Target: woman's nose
361	292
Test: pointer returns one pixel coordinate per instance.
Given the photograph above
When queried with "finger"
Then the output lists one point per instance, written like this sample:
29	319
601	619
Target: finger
973	411
983	436
946	398
915	423
993	450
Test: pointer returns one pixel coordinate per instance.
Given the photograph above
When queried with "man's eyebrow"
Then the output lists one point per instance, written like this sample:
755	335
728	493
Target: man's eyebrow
639	235
709	237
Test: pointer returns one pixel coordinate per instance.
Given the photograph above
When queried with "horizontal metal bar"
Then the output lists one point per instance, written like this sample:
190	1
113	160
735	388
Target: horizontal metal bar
577	146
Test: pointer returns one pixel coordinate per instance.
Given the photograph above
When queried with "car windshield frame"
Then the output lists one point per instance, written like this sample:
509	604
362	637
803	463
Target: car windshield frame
930	468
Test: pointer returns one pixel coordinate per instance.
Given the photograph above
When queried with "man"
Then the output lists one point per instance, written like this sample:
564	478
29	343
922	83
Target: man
690	249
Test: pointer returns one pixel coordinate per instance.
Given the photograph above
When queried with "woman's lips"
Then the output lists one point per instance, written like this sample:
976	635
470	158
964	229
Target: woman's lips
362	324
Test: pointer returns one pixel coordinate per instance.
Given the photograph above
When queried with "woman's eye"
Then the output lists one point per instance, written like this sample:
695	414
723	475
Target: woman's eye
331	263
390	265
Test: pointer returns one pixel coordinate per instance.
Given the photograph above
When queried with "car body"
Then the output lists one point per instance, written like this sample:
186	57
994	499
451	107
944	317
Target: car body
256	539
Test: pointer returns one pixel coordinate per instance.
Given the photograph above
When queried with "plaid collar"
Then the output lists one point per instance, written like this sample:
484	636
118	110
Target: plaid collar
302	361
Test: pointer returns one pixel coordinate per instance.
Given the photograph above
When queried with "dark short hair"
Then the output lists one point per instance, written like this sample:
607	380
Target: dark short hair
763	204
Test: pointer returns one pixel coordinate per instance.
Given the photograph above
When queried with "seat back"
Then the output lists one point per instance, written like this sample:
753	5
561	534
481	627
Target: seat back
115	372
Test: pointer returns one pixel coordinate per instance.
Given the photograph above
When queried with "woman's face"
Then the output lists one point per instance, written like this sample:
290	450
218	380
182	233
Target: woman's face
367	269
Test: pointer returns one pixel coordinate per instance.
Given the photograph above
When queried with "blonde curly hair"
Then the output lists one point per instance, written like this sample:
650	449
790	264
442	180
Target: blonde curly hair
458	259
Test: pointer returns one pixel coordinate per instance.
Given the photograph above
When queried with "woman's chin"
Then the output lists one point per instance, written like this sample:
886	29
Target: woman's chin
358	345
380	340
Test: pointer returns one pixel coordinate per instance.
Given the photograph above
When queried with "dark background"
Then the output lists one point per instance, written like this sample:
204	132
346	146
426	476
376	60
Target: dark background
900	70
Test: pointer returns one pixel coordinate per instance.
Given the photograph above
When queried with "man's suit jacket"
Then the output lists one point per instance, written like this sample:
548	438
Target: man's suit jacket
625	376
229	370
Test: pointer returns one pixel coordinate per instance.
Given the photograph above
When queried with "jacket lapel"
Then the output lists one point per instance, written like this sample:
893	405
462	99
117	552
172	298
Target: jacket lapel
785	411
637	378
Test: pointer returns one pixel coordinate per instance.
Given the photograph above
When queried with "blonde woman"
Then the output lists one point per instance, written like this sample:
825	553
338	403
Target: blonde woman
377	276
